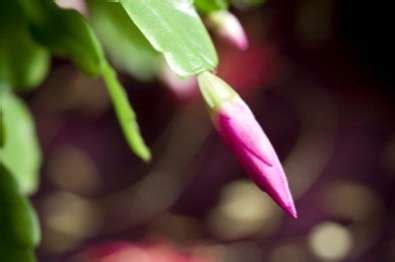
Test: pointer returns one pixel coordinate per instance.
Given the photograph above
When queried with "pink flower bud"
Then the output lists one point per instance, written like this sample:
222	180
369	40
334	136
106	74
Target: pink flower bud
239	129
228	26
78	5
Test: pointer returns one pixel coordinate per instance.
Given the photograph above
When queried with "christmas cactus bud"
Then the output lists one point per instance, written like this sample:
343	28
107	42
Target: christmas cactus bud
227	26
240	130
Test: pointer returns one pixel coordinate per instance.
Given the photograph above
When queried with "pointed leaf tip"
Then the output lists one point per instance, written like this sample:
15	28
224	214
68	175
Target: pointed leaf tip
226	25
125	114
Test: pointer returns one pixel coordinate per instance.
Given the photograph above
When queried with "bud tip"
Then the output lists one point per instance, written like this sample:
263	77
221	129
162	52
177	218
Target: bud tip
229	27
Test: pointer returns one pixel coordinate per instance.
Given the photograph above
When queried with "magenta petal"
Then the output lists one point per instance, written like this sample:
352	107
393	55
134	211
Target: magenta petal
240	130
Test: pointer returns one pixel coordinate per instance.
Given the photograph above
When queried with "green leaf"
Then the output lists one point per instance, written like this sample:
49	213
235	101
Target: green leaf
19	226
125	114
207	6
23	63
174	28
66	33
129	50
21	153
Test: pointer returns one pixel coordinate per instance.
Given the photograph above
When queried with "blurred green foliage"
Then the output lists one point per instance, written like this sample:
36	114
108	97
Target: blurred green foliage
19	227
66	33
21	153
23	63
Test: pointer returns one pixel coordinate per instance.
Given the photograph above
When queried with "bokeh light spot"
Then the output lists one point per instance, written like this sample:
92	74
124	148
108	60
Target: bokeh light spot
330	241
243	210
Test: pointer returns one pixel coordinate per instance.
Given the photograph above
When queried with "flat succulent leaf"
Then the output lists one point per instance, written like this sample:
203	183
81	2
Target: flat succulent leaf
21	153
174	28
125	114
127	47
23	63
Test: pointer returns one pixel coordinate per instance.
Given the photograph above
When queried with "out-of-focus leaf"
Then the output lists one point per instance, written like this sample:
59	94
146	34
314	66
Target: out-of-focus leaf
16	212
125	114
19	226
10	254
174	28
129	50
211	5
34	10
66	33
20	153
23	63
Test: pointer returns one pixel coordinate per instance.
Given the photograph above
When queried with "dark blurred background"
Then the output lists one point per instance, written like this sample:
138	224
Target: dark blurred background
319	77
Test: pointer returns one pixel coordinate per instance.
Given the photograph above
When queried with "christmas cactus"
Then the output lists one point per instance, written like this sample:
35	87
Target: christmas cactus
148	39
